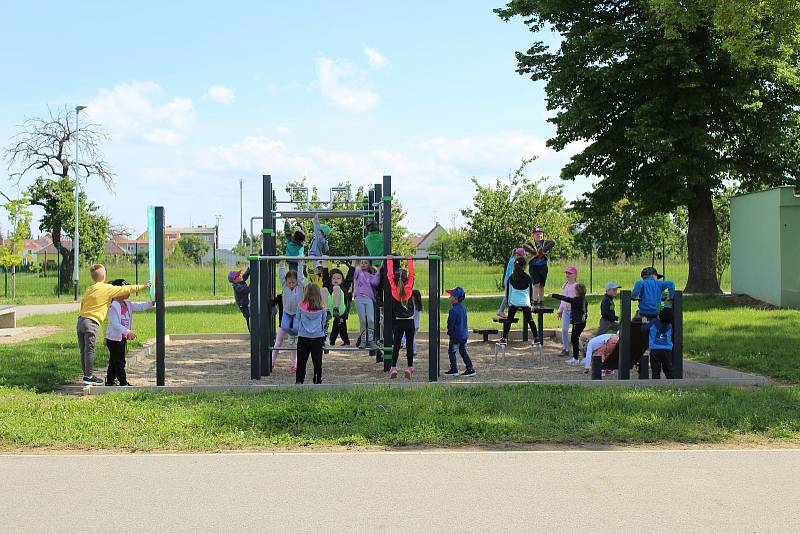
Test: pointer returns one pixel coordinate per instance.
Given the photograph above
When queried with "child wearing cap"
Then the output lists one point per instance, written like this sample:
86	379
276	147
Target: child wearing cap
540	248
295	238
649	290
608	315
319	244
458	333
564	308
661	344
518	253
578	316
118	332
241	292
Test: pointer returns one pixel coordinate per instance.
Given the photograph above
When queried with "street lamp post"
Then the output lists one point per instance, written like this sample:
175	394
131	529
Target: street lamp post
76	238
214	255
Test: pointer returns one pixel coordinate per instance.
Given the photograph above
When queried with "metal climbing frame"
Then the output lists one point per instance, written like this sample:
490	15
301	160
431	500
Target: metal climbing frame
376	206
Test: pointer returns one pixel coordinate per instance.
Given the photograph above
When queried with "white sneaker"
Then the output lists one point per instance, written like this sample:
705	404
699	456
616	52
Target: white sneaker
583	361
572	361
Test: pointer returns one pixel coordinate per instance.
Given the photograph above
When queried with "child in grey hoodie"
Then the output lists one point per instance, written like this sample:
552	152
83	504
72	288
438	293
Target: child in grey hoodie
312	319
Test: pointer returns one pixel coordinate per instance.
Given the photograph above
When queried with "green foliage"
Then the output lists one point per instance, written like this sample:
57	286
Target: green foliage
454	244
506	212
12	253
193	247
722	207
674	98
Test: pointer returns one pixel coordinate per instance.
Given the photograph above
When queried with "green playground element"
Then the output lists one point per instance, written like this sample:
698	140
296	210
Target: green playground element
267	231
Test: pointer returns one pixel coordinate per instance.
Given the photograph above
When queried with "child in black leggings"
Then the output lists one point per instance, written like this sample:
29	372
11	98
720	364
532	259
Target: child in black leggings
519	294
402	286
578	317
312	321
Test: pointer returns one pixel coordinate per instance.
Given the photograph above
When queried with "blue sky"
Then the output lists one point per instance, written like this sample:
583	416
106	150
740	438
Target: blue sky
199	94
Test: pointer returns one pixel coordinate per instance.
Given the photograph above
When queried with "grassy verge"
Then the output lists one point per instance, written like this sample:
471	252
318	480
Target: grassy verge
398	417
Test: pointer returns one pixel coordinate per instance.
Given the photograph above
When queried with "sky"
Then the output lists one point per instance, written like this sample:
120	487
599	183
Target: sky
198	95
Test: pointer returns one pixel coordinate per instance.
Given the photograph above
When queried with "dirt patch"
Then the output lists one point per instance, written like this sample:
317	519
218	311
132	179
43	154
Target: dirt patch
228	363
28	333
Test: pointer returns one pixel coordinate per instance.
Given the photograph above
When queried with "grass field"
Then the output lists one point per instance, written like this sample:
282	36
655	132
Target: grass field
718	330
197	283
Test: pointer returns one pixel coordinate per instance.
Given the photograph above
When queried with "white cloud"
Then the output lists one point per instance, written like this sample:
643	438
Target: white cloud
283	130
345	86
130	111
375	58
221	94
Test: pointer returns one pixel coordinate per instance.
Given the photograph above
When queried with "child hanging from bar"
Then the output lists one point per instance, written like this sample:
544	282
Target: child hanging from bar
402	286
295	239
540	248
241	292
416	296
319	244
293	284
340	289
312	318
365	280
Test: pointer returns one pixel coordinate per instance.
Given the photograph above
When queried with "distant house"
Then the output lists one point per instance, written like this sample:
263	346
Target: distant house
423	243
208	233
128	246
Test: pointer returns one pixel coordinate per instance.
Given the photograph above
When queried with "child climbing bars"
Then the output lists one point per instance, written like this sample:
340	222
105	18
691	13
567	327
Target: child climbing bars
402	286
293	285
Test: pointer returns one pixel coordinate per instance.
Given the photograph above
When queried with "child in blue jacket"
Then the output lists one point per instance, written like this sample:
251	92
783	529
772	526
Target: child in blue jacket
649	290
457	330
661	344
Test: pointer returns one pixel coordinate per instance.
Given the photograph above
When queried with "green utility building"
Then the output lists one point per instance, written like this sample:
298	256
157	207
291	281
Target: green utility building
765	246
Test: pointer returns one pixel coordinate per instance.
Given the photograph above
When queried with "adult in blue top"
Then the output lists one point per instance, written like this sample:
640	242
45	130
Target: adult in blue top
661	344
649	290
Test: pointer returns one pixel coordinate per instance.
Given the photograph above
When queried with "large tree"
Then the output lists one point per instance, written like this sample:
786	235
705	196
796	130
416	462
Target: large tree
46	148
673	97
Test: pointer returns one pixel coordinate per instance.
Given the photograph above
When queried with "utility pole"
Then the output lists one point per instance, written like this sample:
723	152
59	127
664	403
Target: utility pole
241	210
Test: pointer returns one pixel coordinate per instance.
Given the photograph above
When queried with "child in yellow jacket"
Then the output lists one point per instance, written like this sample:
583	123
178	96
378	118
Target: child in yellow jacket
94	307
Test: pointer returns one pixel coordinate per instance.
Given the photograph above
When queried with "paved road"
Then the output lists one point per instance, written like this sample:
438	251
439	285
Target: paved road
559	491
68	307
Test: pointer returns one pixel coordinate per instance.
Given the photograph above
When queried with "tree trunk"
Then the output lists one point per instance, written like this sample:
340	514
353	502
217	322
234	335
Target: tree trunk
65	271
702	238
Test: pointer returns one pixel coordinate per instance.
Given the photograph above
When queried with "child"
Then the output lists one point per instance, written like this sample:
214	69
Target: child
458	333
94	307
295	237
540	248
311	322
602	345
608	316
119	331
416	296
402	285
649	290
578	316
374	242
340	288
568	290
661	344
519	293
319	245
518	253
241	292
366	279
293	285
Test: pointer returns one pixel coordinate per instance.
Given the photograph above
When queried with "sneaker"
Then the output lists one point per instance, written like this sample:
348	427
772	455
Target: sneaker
393	372
451	372
409	373
572	361
583	362
126	385
345	344
503	341
372	345
294	369
469	372
564	353
608	372
93	381
502	315
326	351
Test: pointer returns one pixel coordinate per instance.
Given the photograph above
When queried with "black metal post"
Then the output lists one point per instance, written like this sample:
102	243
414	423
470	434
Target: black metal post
597	367
5	276
136	262
266	285
214	268
255	334
388	315
160	309
591	268
625	336
377	195
433	319
677	335
663	257
442	268
644	366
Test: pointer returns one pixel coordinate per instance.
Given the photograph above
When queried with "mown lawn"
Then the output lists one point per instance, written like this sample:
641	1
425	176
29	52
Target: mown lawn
398	417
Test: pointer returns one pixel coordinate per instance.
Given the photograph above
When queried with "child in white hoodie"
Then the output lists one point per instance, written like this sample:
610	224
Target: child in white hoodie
119	331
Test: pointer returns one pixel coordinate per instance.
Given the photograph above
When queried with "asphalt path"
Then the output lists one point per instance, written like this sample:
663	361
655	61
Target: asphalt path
421	491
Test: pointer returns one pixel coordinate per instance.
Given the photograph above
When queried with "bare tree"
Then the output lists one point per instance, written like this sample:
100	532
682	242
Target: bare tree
46	147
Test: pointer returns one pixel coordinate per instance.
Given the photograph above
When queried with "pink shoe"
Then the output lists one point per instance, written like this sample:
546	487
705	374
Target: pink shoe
502	315
409	372
294	369
393	372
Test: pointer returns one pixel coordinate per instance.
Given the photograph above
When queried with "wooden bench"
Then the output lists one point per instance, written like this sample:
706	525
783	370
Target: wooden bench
485	332
8	316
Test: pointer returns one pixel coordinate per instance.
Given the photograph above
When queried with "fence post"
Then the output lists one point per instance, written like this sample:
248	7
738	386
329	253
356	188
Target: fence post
663	257
434	324
160	309
136	262
255	319
591	267
625	337
677	335
441	277
214	269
